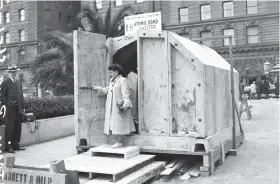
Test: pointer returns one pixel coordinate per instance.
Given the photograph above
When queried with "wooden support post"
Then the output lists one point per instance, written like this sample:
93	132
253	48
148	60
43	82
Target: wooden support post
9	161
223	152
212	162
57	167
205	169
232	94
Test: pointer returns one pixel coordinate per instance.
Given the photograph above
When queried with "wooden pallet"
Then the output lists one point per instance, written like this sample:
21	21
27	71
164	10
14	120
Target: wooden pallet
105	150
115	168
217	155
137	177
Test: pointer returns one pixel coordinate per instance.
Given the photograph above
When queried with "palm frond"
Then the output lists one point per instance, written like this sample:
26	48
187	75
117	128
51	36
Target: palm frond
47	57
108	18
64	41
117	20
93	18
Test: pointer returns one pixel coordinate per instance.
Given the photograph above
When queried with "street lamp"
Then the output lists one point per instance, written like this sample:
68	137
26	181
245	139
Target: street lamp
247	73
266	67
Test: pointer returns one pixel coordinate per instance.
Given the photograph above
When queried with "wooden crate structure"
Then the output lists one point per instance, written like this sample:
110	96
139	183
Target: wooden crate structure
184	92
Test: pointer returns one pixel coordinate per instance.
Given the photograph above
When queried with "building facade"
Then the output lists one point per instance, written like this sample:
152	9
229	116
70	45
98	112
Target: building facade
25	25
254	26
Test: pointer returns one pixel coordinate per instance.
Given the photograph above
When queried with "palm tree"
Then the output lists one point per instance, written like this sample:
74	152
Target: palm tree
54	67
111	26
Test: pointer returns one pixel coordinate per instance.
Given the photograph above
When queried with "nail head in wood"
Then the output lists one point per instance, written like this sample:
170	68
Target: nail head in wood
144	34
192	60
176	44
159	34
199	84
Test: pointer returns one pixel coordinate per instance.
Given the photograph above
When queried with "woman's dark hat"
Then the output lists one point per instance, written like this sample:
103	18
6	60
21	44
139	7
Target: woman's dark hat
13	68
116	67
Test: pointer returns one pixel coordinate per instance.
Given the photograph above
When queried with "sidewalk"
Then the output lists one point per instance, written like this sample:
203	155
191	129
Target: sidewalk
42	154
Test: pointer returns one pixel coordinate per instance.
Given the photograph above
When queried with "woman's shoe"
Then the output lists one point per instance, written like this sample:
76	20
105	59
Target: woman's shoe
117	145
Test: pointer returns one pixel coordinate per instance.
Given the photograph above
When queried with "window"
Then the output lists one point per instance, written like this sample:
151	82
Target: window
228	9
118	2
252	7
139	1
21	15
252	35
69	5
7	37
69	21
60	17
0	17
229	32
21	34
206	34
205	12
21	55
183	15
6	17
98	4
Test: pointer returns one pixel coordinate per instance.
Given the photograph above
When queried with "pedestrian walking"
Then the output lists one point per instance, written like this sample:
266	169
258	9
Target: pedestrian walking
277	88
118	116
12	97
243	101
259	85
253	88
266	88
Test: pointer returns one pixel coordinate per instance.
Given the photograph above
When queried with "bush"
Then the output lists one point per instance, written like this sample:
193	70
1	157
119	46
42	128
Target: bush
44	108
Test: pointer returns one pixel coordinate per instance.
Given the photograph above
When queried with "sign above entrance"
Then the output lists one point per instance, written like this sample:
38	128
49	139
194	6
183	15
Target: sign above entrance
146	21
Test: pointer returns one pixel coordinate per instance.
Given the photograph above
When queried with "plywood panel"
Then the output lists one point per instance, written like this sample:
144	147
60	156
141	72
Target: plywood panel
220	97
183	84
227	104
210	108
90	70
154	86
104	165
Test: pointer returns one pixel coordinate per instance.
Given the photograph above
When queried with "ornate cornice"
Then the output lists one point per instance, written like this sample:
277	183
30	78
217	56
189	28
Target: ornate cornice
221	21
228	25
204	28
252	23
183	30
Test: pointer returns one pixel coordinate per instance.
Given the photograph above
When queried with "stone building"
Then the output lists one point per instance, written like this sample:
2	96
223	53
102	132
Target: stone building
254	26
25	25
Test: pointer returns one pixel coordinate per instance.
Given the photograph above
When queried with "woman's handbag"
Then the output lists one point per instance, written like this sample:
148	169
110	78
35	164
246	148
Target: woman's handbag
120	107
28	117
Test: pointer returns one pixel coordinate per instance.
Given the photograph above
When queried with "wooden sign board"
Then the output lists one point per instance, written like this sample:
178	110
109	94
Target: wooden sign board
22	176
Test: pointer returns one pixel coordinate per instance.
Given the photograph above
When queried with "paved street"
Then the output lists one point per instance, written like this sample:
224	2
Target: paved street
257	161
258	158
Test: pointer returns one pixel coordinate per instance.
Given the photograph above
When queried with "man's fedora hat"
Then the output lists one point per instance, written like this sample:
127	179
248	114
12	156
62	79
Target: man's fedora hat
13	68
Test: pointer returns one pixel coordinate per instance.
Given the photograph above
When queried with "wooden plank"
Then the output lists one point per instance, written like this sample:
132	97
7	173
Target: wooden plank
199	68
210	110
223	152
154	86
171	164
140	176
104	165
193	171
127	152
122	174
89	108
183	94
178	165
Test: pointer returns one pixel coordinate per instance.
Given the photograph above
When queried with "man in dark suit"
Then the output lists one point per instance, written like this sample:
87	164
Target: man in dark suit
12	97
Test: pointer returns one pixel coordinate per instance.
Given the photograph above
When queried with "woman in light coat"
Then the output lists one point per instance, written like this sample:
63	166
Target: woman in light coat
118	117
